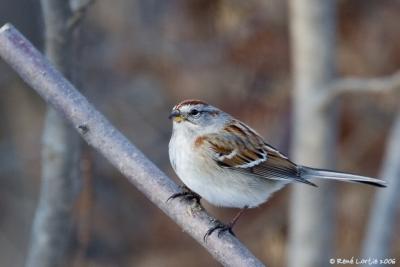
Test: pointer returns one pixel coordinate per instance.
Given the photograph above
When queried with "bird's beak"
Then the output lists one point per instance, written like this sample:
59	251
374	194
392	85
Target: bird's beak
176	116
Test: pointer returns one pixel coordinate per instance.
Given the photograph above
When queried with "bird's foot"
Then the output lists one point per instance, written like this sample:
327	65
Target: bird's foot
221	228
186	194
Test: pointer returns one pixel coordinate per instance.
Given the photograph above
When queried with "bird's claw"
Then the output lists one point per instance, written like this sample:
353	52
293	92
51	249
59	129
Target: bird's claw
221	228
186	194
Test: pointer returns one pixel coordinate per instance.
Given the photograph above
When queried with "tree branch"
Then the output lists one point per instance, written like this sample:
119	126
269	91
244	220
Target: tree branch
354	85
313	34
79	8
100	134
60	181
385	208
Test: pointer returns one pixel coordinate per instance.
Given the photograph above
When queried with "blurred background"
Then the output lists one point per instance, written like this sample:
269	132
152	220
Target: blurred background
138	59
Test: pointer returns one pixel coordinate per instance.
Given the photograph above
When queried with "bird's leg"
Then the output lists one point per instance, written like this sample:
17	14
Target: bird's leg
222	228
187	194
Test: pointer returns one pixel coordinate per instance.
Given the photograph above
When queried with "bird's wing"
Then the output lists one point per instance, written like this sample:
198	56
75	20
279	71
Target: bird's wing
241	149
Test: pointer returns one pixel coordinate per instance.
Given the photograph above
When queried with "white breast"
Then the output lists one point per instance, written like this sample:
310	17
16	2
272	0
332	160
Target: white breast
219	186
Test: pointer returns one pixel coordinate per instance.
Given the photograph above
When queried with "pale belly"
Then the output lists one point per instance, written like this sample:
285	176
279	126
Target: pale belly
227	189
219	186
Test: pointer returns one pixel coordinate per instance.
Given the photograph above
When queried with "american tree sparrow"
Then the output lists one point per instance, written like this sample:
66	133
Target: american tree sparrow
224	161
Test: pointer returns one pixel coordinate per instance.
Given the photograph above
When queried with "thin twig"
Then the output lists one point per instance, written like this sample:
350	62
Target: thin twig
354	85
378	84
78	12
100	134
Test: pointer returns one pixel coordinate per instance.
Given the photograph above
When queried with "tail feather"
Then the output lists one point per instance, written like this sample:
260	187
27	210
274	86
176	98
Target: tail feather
311	173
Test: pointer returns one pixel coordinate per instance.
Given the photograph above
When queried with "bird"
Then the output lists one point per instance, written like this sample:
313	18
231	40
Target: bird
227	163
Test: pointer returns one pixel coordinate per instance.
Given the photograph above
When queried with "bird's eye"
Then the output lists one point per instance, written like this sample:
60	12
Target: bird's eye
194	113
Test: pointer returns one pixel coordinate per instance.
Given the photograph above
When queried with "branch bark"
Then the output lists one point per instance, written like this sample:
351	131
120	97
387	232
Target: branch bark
311	215
100	134
52	226
385	208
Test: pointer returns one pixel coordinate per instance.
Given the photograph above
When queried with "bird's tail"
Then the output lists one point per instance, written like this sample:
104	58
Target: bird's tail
311	173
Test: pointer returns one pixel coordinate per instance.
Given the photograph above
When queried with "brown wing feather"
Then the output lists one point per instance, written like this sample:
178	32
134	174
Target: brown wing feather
243	150
278	166
238	148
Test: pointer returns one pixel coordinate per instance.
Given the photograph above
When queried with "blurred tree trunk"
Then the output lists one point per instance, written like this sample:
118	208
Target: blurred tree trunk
313	52
385	209
52	226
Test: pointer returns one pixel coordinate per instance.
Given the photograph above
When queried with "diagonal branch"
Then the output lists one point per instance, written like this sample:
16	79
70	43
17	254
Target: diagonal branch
100	134
338	87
